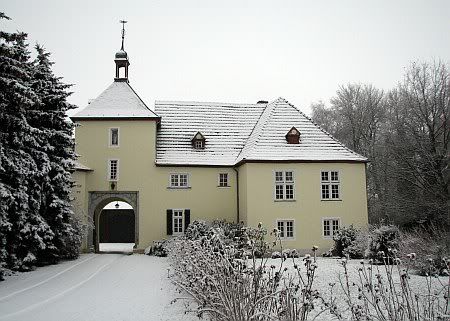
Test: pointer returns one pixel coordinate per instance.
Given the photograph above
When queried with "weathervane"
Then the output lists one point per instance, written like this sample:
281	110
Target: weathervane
123	22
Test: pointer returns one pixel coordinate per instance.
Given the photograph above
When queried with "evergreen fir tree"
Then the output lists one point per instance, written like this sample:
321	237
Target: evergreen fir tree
36	156
50	117
23	232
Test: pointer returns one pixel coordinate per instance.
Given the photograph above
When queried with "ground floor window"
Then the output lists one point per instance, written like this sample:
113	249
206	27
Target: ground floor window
286	229
330	226
177	221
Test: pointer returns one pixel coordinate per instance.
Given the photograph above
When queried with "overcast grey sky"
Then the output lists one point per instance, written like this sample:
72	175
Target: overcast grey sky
234	50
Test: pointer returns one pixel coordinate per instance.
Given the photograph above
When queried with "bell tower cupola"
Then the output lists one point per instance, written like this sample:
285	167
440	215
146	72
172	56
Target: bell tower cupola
121	59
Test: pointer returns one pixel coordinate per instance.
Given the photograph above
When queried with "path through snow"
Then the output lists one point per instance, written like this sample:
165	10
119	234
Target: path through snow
94	287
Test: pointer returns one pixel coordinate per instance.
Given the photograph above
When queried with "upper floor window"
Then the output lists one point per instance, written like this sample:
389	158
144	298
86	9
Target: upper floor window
293	136
179	180
113	170
114	137
330	185
284	185
198	142
286	229
330	226
223	180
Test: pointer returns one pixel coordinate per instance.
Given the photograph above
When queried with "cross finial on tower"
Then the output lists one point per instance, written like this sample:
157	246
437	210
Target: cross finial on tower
123	22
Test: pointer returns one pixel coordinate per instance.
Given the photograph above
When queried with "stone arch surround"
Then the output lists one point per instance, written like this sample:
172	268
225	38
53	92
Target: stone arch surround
98	200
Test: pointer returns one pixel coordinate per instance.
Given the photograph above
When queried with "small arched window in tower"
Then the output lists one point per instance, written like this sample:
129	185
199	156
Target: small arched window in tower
293	136
198	142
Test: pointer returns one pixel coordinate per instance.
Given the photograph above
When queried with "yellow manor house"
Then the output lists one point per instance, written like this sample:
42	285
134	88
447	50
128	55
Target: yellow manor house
265	162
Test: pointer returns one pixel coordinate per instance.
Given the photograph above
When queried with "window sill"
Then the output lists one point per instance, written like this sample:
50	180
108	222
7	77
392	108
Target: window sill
285	200
331	200
113	146
287	238
177	187
224	186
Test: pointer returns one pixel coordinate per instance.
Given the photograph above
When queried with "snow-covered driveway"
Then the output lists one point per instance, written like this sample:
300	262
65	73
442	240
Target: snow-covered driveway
94	287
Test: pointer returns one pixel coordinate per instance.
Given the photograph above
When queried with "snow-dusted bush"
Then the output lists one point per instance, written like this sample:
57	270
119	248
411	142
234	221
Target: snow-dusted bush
158	248
383	292
288	253
349	242
432	248
196	230
382	241
276	255
227	285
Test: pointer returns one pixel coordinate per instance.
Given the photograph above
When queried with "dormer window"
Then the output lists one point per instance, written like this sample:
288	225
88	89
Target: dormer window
293	136
198	142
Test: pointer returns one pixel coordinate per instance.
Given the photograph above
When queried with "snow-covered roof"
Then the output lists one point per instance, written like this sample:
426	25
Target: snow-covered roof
225	126
238	133
81	167
119	100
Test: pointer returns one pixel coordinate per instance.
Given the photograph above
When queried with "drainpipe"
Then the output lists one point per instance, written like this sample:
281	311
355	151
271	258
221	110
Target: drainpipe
237	194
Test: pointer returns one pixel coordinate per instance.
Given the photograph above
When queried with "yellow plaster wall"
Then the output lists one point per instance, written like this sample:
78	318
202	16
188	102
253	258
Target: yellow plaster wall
308	209
137	172
243	193
79	199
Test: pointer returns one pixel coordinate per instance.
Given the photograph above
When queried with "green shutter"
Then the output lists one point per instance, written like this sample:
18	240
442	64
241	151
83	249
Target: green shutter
169	222
187	218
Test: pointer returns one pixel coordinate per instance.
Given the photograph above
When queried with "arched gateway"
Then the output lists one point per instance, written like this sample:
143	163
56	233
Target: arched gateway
98	200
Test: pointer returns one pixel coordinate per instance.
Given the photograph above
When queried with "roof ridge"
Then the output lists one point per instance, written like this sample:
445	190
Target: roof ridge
323	130
202	103
132	89
272	104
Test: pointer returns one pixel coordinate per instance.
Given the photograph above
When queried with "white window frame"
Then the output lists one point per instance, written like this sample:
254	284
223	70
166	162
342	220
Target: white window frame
330	185
188	180
227	181
284	183
285	220
110	137
109	170
182	221
330	219
199	144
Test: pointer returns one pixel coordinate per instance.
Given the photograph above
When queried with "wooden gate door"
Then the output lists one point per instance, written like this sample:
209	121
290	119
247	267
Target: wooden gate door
117	226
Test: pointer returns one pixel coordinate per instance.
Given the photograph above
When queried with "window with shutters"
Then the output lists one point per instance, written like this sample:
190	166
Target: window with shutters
179	180
330	225
284	186
286	229
177	221
113	170
330	185
114	137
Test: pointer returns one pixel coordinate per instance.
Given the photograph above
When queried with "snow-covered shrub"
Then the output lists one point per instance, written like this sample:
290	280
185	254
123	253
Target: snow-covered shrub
384	292
229	286
288	253
276	255
349	241
158	248
383	243
432	248
196	230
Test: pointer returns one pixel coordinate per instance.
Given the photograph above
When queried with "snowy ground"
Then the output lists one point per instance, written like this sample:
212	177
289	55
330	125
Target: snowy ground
116	247
113	287
94	287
